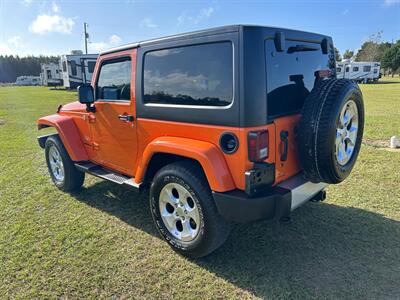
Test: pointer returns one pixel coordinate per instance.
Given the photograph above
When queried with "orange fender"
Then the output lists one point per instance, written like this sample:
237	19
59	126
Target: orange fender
207	154
68	133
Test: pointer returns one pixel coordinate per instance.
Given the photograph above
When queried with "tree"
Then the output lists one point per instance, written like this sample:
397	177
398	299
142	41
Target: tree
13	66
348	54
337	55
372	49
391	58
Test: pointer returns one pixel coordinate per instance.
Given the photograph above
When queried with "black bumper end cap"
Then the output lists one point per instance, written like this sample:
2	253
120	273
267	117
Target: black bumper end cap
237	206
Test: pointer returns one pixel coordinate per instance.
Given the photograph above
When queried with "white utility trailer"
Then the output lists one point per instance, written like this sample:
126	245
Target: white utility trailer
360	71
77	68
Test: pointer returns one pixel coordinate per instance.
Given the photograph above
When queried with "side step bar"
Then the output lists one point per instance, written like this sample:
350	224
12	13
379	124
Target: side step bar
101	172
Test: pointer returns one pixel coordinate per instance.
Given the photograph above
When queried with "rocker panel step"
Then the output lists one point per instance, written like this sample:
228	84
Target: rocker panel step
104	173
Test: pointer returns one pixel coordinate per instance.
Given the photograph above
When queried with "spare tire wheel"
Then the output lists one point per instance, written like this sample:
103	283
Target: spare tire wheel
330	130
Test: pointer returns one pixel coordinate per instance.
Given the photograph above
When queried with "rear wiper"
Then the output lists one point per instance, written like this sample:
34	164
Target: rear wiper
301	48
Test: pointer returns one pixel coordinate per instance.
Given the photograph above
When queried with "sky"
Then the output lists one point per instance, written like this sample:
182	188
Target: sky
50	27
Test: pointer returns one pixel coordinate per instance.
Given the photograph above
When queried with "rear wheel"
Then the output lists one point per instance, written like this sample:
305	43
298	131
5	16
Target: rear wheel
61	168
184	212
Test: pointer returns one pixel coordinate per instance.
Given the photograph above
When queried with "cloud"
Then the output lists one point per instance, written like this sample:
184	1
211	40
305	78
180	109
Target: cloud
15	41
207	12
55	8
391	2
147	22
204	13
13	45
27	2
113	41
6	50
51	23
345	12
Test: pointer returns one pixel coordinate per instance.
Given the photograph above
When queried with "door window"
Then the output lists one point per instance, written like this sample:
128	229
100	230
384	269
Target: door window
114	82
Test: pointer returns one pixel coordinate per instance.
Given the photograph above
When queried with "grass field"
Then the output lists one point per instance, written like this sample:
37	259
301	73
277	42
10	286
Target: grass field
101	243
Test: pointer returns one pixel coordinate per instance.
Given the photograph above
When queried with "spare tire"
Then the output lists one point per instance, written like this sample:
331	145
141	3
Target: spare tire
330	130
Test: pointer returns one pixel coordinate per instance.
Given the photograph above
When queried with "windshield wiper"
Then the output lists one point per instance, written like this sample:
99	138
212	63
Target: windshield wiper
301	48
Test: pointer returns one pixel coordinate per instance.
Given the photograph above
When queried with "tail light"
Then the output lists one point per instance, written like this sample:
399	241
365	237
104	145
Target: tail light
258	145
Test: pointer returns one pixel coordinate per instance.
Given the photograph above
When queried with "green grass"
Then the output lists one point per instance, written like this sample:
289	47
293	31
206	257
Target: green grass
101	243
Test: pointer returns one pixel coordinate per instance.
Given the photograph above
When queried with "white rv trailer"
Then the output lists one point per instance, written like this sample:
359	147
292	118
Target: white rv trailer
27	80
77	68
360	71
50	74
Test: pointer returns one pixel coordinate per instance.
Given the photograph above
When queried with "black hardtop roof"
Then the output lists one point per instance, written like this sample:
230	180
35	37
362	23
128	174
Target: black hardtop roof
210	31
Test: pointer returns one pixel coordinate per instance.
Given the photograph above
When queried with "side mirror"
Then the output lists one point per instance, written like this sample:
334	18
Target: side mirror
85	92
86	96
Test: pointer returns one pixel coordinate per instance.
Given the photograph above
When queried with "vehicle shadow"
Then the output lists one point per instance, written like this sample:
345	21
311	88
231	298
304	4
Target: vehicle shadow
328	251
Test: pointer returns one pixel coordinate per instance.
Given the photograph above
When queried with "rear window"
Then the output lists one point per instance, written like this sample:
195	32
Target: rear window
290	74
190	75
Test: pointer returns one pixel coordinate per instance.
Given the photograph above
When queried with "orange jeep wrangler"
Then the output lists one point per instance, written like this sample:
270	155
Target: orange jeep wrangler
231	124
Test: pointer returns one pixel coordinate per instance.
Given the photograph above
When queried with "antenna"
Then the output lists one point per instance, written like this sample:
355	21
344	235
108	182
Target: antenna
86	34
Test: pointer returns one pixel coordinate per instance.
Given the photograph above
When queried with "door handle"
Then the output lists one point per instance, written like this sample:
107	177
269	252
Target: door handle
126	118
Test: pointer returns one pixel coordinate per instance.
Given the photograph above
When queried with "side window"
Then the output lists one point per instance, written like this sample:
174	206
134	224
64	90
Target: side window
375	71
73	68
64	66
355	69
367	69
190	75
347	69
91	65
114	81
339	69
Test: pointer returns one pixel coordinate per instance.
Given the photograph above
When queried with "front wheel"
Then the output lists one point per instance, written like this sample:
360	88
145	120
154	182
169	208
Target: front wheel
61	168
184	212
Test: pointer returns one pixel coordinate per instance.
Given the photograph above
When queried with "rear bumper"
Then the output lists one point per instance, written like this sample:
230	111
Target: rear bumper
275	203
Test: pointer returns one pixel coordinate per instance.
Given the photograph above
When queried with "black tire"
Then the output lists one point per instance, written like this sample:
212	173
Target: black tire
73	179
318	128
213	231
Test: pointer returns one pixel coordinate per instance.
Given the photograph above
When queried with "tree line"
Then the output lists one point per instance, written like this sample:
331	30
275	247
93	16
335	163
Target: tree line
374	49
13	66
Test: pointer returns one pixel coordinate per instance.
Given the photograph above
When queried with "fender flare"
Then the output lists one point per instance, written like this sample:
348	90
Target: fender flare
69	135
206	154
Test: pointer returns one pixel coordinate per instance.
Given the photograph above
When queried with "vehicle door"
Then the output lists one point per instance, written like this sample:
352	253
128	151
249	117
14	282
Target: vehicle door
113	124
